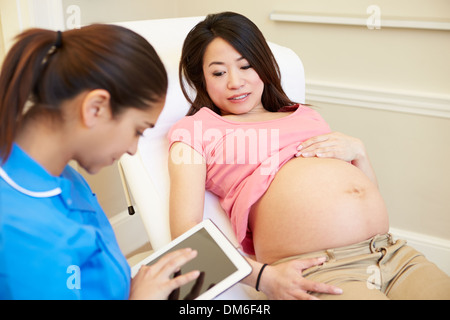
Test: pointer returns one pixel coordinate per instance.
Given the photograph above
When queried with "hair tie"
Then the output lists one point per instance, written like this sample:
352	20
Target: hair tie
54	47
58	43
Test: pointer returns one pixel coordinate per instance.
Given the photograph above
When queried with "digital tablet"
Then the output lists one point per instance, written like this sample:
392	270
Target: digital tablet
220	263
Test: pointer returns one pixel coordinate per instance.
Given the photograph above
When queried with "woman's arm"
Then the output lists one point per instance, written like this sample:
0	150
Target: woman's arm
187	170
340	146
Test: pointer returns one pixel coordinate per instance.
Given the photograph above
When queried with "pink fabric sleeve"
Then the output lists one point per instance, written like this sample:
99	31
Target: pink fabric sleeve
188	131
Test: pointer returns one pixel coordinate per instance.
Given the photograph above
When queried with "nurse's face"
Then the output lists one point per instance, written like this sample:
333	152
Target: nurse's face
117	136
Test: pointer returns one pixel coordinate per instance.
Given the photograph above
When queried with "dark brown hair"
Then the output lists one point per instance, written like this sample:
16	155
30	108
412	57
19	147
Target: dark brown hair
244	36
45	68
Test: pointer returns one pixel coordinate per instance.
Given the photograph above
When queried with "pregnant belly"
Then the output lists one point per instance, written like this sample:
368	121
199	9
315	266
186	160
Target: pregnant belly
314	204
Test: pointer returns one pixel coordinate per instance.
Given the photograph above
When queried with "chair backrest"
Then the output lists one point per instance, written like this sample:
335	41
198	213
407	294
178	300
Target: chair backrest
146	172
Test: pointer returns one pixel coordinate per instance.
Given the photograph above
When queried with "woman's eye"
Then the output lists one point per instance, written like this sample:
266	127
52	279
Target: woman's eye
246	67
218	74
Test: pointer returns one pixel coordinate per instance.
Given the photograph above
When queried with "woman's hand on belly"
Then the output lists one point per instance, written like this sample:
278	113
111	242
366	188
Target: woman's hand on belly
338	146
285	281
331	145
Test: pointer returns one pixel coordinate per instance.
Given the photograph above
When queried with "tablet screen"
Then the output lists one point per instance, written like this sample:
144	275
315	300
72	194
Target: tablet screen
211	261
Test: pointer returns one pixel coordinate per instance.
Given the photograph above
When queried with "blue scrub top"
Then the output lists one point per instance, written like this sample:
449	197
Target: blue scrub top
55	240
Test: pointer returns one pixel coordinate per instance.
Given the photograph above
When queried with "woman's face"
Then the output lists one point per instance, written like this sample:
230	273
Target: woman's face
231	82
116	136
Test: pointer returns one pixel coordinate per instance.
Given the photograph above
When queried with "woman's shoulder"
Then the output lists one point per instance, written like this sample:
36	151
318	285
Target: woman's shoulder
203	118
303	110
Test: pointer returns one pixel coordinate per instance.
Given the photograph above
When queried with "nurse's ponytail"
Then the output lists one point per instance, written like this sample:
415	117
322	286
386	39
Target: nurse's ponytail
19	74
45	68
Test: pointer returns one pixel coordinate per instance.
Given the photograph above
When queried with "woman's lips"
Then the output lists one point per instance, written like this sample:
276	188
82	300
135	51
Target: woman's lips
239	97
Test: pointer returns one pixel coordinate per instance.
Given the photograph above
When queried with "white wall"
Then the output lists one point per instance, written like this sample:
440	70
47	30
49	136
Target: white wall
98	11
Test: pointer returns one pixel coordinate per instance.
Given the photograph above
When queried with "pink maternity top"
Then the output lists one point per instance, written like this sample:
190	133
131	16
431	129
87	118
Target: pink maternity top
242	158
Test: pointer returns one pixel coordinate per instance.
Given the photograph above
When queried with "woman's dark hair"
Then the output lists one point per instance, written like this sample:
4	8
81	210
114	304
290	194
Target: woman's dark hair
244	36
44	68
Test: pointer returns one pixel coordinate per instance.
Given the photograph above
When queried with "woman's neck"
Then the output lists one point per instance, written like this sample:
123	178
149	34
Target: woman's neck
45	144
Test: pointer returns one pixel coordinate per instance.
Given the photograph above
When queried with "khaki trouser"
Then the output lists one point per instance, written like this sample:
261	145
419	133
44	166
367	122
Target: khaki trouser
378	268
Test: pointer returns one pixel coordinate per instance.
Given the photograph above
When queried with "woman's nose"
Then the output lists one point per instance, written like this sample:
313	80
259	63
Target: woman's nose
235	81
133	148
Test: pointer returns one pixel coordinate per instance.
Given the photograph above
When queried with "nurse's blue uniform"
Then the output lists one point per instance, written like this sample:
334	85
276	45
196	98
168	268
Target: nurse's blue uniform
55	240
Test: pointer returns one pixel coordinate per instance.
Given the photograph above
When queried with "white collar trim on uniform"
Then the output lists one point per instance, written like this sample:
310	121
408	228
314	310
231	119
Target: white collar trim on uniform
34	194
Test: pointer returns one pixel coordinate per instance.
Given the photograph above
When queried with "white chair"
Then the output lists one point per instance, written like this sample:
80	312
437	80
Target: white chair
147	172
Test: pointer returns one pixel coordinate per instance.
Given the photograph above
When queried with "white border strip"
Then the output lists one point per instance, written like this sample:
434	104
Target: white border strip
435	105
47	14
352	21
19	15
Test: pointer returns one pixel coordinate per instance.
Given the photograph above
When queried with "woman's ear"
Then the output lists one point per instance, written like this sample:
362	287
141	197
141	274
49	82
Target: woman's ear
95	106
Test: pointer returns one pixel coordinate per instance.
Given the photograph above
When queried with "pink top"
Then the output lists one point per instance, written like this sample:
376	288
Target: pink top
242	158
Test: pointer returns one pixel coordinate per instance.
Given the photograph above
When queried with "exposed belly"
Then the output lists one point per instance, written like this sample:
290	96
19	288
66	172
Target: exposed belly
315	204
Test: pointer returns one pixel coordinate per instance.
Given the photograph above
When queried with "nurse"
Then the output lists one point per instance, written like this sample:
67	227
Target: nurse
84	95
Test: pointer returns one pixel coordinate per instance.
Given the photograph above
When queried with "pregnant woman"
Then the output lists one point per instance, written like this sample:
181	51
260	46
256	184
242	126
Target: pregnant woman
303	201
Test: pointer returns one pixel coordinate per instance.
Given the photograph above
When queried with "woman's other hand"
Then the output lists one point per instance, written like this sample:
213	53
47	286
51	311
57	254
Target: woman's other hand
285	281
